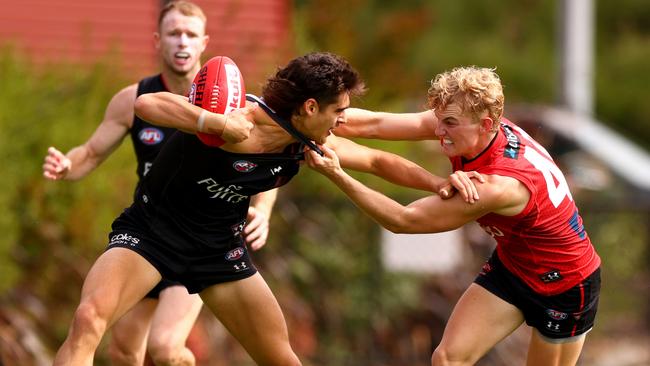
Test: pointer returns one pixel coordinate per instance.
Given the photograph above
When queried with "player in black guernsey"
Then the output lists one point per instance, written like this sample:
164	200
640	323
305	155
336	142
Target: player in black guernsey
187	218
168	308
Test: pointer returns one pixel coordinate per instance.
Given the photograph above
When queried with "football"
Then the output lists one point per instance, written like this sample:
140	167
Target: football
218	88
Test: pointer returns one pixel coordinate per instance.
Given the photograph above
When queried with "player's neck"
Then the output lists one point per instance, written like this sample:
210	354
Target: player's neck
178	84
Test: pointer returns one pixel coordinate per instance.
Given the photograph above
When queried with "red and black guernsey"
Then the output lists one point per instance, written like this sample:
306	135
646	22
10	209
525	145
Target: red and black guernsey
546	245
147	138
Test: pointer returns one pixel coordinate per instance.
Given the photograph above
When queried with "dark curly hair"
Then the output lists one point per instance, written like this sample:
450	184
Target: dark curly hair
319	75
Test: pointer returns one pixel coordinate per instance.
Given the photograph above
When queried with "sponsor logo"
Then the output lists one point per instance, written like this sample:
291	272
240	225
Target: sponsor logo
551	276
553	327
238	228
234	87
240	267
244	166
487	268
235	254
556	315
124	239
192	93
276	170
226	193
151	136
493	231
512	148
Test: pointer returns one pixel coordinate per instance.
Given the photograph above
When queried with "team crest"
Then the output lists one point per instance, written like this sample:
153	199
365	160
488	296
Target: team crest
151	136
244	166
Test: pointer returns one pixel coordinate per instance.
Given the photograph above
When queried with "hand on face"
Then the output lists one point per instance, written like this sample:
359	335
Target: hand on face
328	164
56	165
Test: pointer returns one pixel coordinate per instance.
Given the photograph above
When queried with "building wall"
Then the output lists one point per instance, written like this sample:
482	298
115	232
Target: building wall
254	33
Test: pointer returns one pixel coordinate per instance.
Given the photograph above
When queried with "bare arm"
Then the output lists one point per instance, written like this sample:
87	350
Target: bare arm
401	171
431	214
256	231
388	126
108	136
171	110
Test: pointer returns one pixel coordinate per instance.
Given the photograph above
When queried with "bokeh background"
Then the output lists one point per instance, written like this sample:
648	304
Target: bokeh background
61	61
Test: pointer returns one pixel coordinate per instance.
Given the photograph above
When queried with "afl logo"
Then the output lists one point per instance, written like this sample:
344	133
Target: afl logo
556	315
235	254
244	166
151	136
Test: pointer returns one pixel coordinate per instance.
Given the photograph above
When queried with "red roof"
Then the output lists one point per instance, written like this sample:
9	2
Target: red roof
254	33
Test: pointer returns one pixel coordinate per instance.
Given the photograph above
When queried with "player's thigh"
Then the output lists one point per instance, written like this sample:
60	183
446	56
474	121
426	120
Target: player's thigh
250	312
117	281
546	352
479	320
174	317
129	333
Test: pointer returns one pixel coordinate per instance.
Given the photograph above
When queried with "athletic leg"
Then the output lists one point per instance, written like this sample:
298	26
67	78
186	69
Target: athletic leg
118	279
541	352
129	334
172	322
479	321
248	309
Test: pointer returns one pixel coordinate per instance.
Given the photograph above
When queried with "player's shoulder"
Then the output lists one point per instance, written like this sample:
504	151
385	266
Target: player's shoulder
120	108
503	192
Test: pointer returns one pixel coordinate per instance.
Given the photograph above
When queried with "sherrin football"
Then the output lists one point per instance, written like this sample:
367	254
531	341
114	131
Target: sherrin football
218	88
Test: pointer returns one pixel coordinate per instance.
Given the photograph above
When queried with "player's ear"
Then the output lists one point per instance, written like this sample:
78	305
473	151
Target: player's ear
310	106
156	40
206	39
487	124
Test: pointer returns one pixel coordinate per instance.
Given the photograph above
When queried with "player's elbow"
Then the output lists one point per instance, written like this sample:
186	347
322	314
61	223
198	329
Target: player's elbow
143	106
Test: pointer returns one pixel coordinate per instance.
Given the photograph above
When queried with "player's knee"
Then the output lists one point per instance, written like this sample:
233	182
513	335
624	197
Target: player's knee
88	320
121	356
163	352
444	356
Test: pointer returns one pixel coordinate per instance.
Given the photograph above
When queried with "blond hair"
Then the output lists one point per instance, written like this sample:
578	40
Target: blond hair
186	8
474	89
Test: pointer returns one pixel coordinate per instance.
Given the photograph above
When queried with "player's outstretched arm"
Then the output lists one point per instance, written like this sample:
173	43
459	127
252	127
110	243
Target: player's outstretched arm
108	136
427	215
388	126
171	110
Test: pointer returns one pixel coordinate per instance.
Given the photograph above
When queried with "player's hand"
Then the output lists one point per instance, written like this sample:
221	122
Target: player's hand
256	230
461	182
328	164
56	165
238	124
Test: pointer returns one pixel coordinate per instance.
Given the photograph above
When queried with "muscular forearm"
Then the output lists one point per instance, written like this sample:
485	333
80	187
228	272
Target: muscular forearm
264	201
388	126
400	171
385	211
170	110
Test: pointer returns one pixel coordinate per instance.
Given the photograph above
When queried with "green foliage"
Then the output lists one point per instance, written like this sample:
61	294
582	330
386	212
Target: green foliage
53	230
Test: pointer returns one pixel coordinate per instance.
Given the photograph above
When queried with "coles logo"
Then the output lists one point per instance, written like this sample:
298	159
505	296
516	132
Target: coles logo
235	254
151	136
244	166
557	315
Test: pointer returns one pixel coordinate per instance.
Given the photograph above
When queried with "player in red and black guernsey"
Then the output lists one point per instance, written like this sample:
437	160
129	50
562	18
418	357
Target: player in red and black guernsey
168	308
186	221
544	270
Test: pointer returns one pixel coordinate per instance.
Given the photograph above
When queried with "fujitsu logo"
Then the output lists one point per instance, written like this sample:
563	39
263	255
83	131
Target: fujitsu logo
226	193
